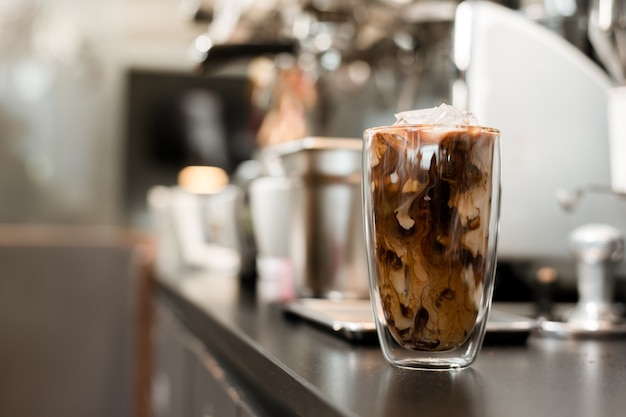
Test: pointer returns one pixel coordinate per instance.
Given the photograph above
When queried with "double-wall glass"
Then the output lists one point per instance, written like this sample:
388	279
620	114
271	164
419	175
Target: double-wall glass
431	199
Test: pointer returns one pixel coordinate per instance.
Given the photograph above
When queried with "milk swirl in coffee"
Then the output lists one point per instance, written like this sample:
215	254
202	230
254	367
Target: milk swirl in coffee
431	189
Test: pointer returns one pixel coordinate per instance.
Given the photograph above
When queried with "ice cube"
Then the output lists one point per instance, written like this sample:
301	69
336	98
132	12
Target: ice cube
444	115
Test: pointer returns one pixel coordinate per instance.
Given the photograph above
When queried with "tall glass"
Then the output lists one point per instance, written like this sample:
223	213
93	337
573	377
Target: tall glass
431	198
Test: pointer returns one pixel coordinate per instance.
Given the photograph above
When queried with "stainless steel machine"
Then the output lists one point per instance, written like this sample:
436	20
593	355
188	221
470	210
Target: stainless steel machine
562	144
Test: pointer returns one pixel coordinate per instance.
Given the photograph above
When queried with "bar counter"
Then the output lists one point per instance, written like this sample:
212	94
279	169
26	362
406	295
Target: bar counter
287	367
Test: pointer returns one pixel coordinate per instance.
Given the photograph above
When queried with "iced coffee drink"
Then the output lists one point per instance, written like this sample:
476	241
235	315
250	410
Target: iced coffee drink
431	201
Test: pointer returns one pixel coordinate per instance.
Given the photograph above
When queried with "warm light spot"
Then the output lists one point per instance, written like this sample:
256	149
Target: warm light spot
202	180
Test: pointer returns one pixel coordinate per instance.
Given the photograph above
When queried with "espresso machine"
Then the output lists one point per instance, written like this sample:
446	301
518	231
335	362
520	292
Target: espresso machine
328	70
562	117
332	68
320	73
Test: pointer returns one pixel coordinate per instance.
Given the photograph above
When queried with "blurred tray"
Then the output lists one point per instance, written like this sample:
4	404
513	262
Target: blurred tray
354	320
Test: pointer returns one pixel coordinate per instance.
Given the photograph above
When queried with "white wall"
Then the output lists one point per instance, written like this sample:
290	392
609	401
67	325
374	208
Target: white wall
62	72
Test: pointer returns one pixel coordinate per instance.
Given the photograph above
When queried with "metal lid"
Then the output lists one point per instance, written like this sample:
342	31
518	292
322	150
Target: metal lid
314	156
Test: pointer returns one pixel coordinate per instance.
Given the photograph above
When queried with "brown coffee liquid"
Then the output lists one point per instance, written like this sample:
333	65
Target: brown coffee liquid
431	192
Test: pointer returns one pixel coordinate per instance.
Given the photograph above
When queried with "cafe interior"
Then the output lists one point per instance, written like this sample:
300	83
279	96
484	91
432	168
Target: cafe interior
185	226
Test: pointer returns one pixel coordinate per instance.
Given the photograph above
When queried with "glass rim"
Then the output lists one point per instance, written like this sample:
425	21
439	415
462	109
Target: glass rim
433	126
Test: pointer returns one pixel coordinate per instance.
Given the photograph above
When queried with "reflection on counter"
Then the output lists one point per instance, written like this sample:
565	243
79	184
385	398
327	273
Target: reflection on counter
465	387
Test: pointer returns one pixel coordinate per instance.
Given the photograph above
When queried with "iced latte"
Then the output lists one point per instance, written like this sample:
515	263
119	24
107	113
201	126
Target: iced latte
429	194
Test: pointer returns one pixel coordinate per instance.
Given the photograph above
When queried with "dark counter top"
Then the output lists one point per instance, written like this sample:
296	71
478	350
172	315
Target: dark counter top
294	368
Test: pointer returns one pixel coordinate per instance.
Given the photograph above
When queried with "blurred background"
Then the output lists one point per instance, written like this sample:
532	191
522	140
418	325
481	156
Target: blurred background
99	101
104	103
